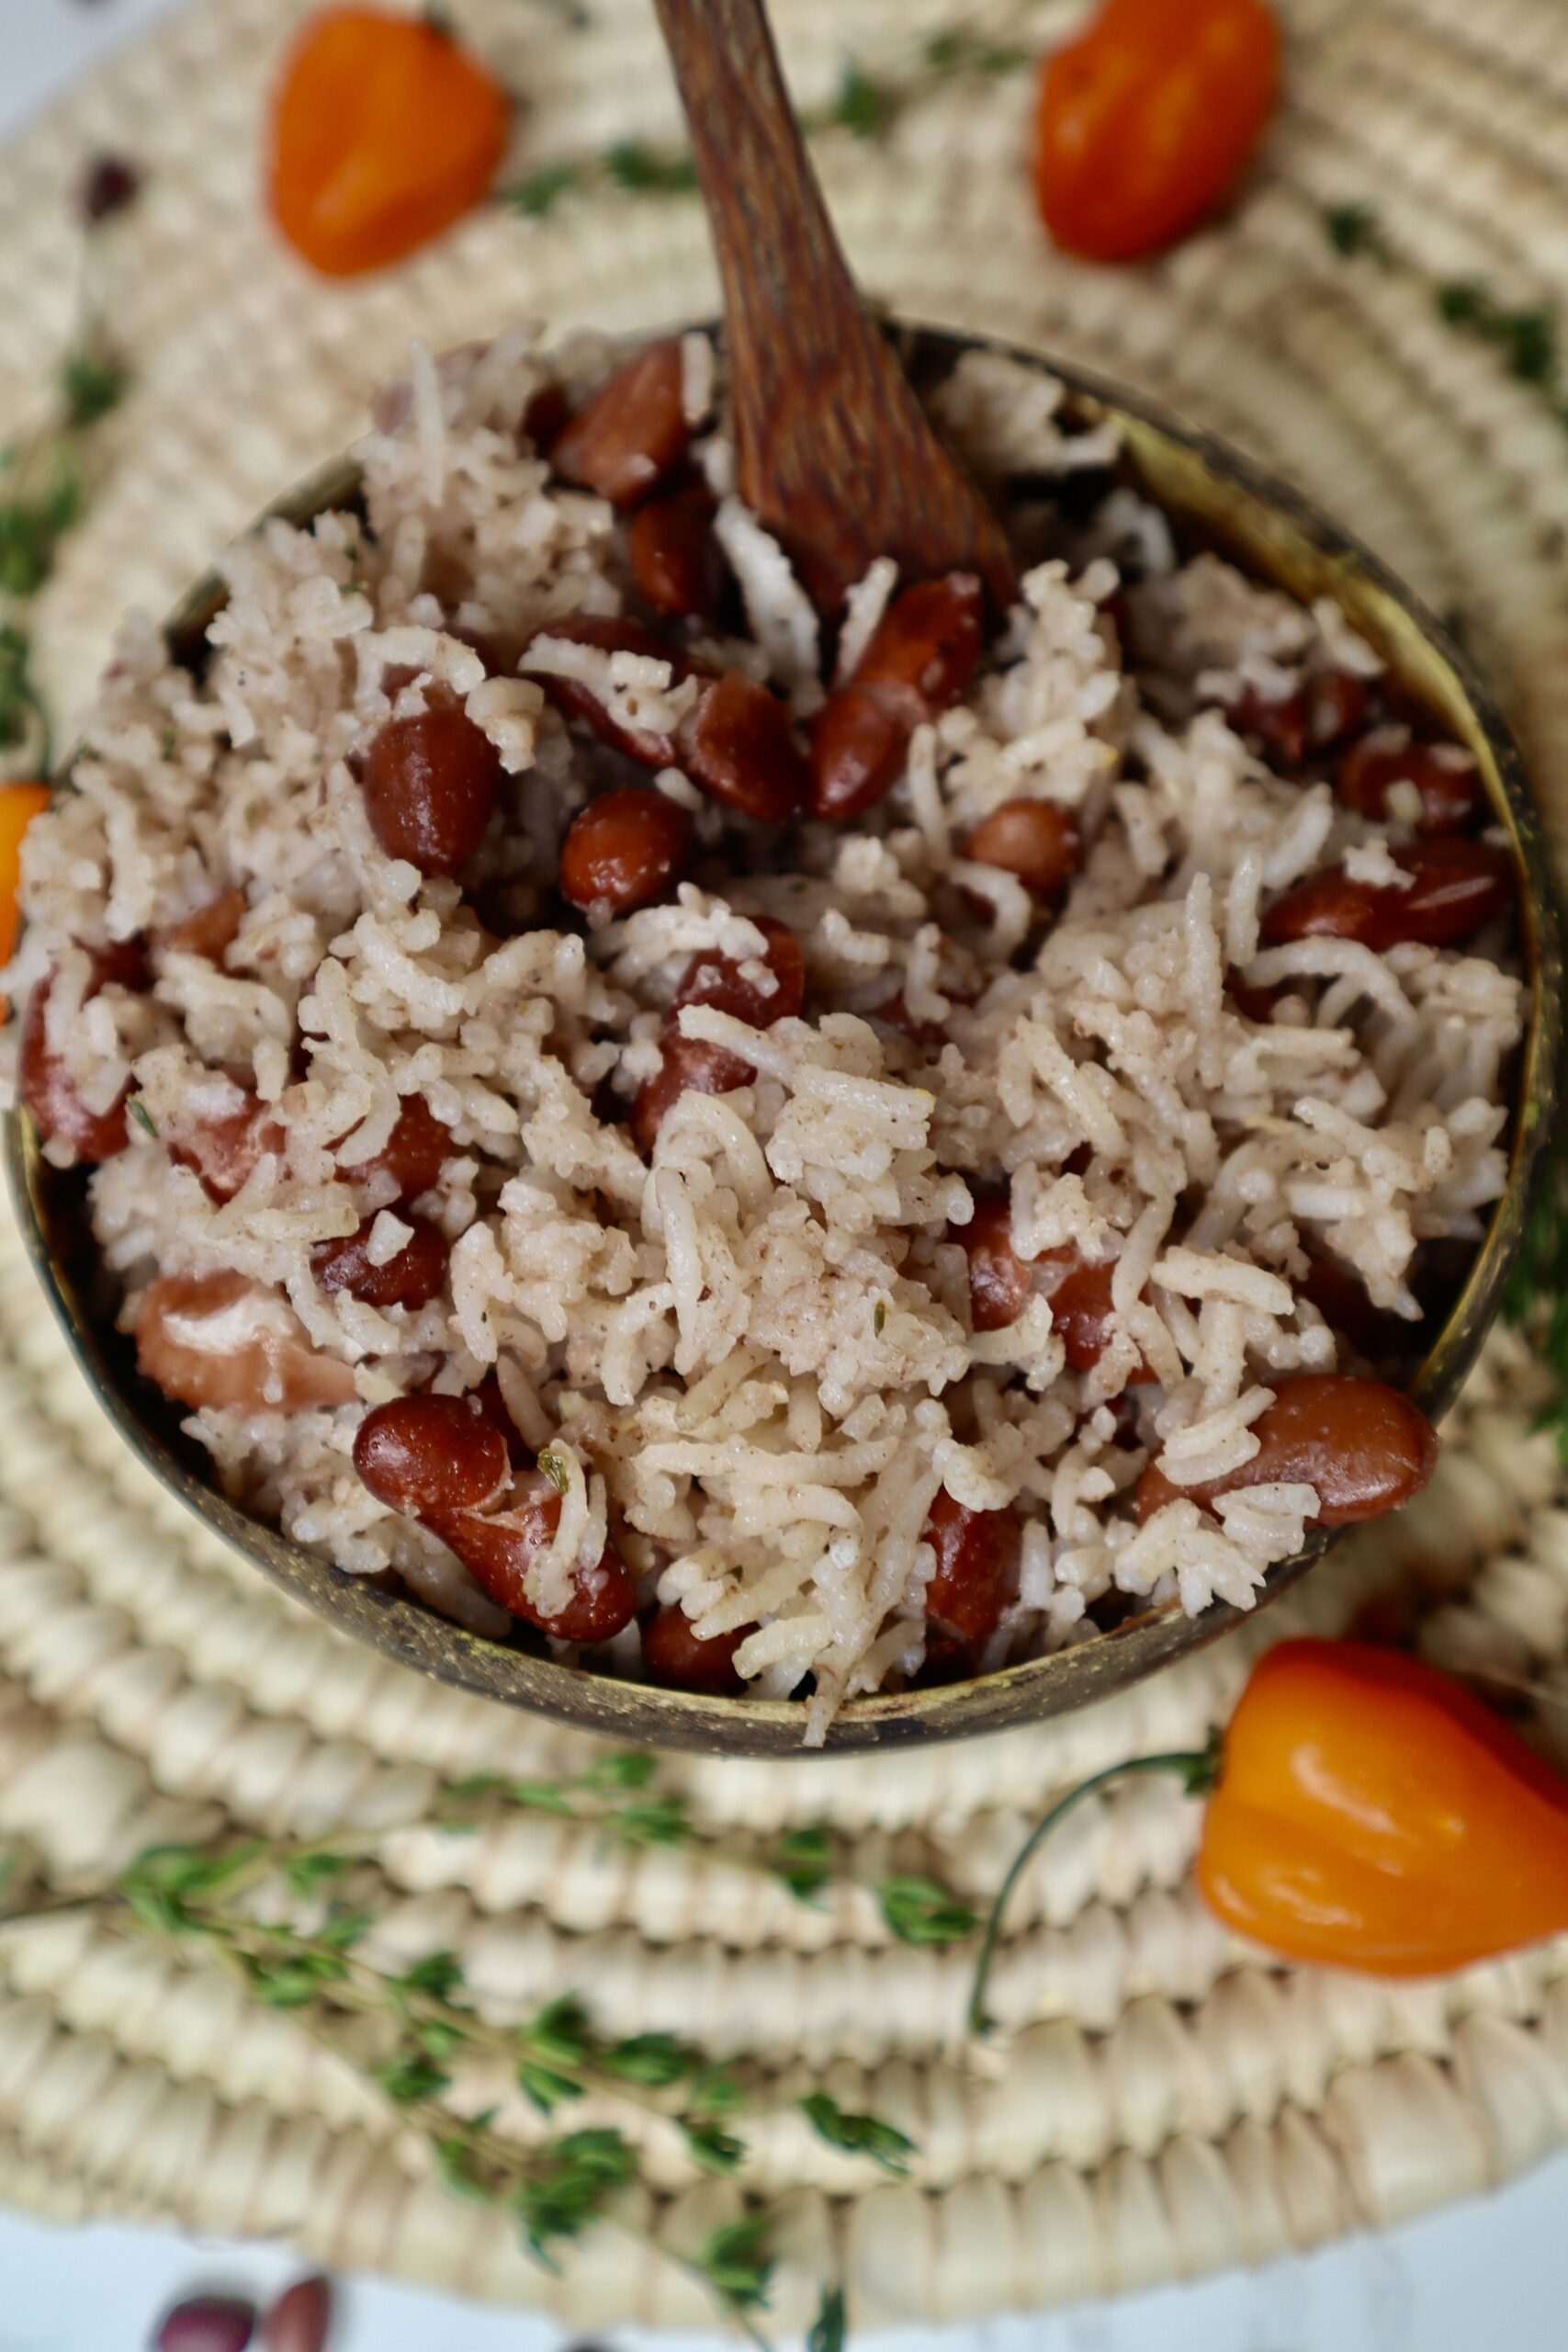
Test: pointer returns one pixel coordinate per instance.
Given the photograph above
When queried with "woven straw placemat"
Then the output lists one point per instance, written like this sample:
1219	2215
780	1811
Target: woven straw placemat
1171	2101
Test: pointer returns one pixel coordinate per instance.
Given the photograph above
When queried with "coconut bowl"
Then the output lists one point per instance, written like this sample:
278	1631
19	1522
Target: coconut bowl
1217	499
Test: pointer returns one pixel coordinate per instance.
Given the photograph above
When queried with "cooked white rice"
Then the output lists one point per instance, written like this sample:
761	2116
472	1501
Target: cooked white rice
754	1357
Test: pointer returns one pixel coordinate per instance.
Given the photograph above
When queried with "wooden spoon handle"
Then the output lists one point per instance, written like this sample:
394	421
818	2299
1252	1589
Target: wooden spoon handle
833	450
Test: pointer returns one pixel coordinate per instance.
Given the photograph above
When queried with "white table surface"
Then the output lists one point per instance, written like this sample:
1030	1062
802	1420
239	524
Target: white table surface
1491	2276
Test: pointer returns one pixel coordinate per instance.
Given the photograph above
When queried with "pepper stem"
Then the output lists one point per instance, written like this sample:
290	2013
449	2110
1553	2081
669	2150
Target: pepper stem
1198	1769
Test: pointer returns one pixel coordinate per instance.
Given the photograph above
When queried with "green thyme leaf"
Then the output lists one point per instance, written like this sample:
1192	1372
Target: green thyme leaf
345	1930
542	190
735	2261
858	2135
879	1318
829	2329
556	1468
715	2150
460	2169
22	714
539	1796
921	1911
136	1110
572	2182
412	2076
303	1872
656	1821
651	2059
715	2092
477	1784
561	2032
92	382
544	2086
632	164
439	1974
292	1982
803	1859
630	1769
959	51
862	105
33	522
1353	229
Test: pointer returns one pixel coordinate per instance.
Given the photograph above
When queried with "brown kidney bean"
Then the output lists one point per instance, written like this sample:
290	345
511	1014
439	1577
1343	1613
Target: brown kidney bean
430	1457
632	432
921	659
206	2324
1364	1446
978	1558
1344	1305
210	929
430	784
1450	788
224	1343
1337	703
646	744
46	1085
1081	1314
300	2320
673	1656
224	1150
412	1279
1455	886
413	1155
676	563
736	743
689	1065
1034	840
498	1546
721	982
894	1013
999	1278
1312	719
692	1063
1253	1004
625	849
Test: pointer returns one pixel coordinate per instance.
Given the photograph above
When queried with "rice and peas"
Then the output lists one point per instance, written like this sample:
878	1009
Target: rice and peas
827	1220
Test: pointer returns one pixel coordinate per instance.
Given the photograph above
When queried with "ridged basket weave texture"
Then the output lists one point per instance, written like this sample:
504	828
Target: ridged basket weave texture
1171	2102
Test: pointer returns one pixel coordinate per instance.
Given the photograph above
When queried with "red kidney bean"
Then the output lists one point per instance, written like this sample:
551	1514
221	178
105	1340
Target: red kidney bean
430	784
736	743
894	1013
300	2320
1081	1314
625	849
46	1085
429	1457
544	417
673	1656
412	1279
222	1342
206	2323
1312	719
647	744
689	1065
498	1546
1034	840
1344	1305
976	1579
413	1154
676	563
224	1150
999	1278
692	1063
491	1403
210	929
1455	886
1450	789
1365	1447
921	659
721	980
632	432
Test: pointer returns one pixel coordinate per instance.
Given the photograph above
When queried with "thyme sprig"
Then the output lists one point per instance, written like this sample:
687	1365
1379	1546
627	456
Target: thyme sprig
865	105
1526	335
290	1919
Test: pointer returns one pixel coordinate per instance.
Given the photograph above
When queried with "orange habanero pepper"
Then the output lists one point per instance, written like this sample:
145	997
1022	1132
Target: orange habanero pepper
384	133
1147	119
1365	1812
19	804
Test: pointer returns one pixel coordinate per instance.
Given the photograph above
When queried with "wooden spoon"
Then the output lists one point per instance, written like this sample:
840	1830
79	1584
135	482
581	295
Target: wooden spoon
835	453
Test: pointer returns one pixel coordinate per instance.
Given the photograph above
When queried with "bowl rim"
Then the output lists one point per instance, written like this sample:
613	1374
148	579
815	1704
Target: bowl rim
649	1715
